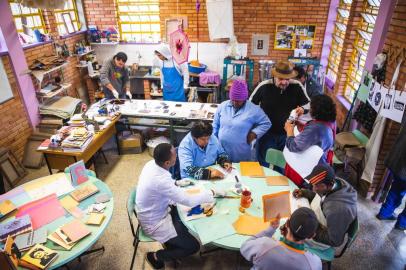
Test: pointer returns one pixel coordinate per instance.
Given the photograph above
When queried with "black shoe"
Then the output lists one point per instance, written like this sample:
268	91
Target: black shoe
391	217
398	227
156	264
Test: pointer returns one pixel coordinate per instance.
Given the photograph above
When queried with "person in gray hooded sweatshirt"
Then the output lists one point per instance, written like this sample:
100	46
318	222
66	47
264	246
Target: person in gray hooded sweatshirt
335	203
114	77
289	252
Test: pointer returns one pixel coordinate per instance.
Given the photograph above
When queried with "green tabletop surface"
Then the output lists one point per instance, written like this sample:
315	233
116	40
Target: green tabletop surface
258	188
65	256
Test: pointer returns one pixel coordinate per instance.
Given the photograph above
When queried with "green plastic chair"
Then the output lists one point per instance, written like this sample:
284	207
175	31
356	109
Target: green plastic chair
328	255
275	158
138	233
360	137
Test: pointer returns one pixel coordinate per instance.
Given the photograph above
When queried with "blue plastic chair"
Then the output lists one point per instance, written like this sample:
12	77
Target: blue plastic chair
138	234
328	255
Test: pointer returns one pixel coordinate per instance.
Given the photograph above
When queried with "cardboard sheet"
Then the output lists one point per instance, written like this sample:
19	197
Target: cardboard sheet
249	225
251	169
276	203
213	228
278	180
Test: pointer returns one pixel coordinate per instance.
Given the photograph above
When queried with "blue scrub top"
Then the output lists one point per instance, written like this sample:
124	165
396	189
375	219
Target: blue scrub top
232	128
191	154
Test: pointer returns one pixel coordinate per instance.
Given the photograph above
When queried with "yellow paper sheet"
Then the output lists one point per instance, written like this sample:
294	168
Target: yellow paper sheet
68	202
6	207
278	180
251	169
276	203
250	225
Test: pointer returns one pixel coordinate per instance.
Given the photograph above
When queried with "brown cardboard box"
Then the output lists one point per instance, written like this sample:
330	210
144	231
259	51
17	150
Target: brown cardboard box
131	144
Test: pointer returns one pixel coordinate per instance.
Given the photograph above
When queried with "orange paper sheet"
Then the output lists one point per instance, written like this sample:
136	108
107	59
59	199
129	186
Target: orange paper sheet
276	203
279	180
249	225
251	169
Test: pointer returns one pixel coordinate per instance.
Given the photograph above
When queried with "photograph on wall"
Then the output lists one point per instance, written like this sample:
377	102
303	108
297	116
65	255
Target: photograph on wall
260	44
371	91
290	37
377	96
395	109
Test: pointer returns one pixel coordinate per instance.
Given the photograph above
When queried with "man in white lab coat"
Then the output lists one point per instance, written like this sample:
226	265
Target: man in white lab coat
156	192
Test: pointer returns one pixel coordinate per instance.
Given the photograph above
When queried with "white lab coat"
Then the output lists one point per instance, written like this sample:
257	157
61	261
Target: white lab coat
156	190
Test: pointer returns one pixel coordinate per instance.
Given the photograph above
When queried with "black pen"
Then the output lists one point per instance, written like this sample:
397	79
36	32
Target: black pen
236	179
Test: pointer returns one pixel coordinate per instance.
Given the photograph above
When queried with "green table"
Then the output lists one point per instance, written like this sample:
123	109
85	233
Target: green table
85	244
258	188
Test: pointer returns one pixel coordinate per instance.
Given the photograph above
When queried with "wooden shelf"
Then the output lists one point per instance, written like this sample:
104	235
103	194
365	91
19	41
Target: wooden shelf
39	74
83	54
64	87
104	43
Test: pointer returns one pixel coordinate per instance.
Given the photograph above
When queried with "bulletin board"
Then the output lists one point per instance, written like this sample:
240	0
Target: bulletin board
294	36
5	89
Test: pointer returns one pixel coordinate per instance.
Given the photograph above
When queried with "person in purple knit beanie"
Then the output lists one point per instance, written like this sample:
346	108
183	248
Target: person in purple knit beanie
238	123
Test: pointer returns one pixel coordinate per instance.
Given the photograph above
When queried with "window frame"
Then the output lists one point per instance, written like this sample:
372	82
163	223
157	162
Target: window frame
26	15
75	21
155	36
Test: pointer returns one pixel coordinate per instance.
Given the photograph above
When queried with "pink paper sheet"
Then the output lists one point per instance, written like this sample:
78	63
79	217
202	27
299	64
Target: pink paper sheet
42	211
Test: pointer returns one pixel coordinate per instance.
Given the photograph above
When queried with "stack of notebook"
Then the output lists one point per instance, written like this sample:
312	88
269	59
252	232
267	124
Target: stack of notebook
77	141
69	234
84	192
15	226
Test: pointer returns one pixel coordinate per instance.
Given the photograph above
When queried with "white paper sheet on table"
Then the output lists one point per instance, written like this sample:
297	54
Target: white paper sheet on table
60	186
303	162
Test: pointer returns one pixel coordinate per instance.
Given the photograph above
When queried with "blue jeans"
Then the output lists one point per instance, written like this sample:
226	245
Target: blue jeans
394	199
267	141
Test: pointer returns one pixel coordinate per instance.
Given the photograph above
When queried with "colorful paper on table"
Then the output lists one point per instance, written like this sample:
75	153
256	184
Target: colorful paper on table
75	230
42	211
249	225
76	212
6	207
213	228
278	180
84	192
27	240
95	219
276	203
68	202
251	169
59	186
78	173
15	226
12	193
303	162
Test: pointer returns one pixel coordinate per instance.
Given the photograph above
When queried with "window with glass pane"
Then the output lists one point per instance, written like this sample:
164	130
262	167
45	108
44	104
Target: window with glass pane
362	41
139	20
67	19
27	18
340	28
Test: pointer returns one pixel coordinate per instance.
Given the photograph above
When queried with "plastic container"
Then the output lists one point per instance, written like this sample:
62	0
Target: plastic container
197	70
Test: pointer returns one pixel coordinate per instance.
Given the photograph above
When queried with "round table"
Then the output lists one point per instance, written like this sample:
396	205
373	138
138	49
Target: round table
65	256
258	188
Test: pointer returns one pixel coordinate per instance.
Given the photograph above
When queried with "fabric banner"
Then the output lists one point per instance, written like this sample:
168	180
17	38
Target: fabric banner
220	18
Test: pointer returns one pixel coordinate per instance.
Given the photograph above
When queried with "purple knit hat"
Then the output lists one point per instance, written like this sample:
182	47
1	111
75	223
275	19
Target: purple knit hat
239	91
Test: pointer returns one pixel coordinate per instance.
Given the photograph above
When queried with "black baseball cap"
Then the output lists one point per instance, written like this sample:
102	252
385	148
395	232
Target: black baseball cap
322	173
303	223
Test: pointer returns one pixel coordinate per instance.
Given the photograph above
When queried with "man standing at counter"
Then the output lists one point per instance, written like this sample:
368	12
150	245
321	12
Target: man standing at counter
114	77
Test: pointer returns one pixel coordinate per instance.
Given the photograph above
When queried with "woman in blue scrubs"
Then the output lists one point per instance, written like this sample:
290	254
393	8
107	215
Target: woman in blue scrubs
174	77
238	123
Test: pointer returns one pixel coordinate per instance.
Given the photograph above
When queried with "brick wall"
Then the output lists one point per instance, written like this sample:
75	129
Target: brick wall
101	13
14	122
396	36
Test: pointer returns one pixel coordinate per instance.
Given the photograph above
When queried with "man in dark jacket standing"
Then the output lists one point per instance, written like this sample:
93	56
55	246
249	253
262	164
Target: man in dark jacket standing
396	162
334	202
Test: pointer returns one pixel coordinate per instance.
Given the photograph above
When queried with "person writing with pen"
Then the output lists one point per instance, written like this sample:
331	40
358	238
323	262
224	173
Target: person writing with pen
200	149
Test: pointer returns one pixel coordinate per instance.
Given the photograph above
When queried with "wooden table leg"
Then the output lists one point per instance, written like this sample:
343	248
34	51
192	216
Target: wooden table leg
46	160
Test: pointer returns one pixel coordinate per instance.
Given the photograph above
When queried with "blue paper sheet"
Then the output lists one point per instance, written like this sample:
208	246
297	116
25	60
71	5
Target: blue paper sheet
213	228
